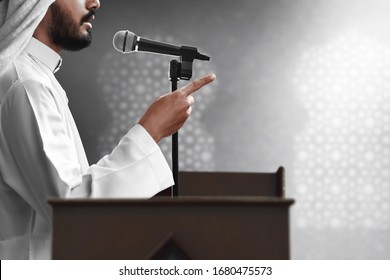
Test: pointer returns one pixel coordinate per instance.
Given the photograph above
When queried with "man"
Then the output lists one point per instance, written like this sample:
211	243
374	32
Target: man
41	154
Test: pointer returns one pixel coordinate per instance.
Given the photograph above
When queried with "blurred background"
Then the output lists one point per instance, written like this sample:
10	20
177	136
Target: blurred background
301	84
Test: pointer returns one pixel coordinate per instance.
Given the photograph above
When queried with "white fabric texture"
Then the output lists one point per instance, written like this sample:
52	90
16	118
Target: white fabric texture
41	156
18	20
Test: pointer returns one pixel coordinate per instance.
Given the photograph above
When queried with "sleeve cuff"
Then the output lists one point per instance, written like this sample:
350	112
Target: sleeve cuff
143	139
136	168
156	159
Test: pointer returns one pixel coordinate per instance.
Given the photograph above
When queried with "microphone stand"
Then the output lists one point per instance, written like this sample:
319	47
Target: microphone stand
181	70
174	77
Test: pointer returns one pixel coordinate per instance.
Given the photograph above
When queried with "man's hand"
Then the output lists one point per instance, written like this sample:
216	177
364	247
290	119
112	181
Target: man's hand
168	113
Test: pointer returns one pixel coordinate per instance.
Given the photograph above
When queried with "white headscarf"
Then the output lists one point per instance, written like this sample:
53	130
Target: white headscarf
18	20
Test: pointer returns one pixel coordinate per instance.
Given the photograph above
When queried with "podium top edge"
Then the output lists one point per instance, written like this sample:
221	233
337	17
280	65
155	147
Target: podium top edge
280	169
190	200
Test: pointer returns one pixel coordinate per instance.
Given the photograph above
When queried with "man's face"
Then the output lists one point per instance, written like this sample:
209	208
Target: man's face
71	26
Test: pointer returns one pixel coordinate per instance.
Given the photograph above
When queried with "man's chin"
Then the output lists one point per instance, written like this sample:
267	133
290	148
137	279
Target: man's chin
78	44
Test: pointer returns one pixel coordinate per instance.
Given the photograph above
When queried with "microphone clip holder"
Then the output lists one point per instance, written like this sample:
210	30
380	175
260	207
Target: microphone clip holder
183	69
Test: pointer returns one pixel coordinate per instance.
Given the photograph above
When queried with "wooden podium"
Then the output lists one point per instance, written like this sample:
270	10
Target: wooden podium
187	227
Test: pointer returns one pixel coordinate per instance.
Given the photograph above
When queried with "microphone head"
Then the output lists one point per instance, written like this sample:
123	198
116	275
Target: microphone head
124	41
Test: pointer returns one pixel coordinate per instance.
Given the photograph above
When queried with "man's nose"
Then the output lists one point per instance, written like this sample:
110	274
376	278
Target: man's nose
93	4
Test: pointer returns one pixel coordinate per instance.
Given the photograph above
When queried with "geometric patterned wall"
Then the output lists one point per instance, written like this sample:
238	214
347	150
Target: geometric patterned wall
342	166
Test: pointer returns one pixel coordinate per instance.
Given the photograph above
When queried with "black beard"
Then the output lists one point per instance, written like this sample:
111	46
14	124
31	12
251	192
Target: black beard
65	32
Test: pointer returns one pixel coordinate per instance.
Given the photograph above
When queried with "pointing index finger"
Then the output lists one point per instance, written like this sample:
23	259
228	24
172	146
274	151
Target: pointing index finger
195	85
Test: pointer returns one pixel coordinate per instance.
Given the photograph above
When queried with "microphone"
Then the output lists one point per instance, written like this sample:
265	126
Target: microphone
126	41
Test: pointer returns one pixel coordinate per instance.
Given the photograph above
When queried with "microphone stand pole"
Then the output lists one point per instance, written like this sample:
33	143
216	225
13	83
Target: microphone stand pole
174	77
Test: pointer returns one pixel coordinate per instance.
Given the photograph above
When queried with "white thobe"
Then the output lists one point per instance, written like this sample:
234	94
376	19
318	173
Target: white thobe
41	156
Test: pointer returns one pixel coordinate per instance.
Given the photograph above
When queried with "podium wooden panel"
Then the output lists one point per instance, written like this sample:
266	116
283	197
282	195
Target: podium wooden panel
184	227
270	184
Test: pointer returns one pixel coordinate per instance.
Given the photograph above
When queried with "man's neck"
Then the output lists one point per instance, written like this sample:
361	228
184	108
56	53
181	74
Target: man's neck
42	36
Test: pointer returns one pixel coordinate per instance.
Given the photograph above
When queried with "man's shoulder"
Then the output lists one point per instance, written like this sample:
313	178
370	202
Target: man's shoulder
25	70
23	73
28	70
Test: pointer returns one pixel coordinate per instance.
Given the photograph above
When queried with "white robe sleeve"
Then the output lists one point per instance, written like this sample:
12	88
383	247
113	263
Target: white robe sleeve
44	155
136	168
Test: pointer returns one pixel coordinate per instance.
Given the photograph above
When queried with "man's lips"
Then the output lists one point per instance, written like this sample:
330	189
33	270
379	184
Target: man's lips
88	19
88	23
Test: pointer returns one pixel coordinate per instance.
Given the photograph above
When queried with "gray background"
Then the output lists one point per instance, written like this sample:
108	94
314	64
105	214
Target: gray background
301	84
